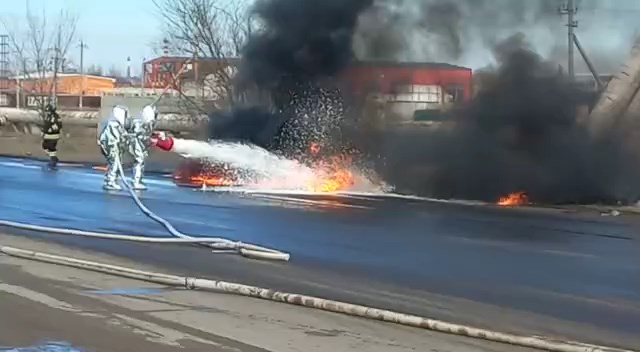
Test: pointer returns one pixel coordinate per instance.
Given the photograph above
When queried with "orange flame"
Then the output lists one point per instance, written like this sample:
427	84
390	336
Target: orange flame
333	173
514	199
314	148
210	181
194	173
333	182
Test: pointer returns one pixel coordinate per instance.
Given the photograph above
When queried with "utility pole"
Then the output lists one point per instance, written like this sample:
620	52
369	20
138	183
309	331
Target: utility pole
82	76
570	9
144	76
4	62
54	72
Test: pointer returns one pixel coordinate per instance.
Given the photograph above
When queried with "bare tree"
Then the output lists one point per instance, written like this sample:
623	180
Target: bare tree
114	71
212	33
95	70
41	50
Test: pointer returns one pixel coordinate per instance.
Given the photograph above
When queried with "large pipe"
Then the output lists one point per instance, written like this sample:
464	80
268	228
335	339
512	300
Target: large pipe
616	98
346	308
168	122
633	112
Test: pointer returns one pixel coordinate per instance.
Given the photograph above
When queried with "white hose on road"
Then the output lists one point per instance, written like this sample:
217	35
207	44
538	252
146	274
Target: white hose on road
415	321
247	250
214	243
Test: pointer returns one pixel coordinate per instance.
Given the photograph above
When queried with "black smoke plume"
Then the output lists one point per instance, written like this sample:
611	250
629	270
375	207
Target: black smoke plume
463	32
444	19
254	125
302	40
447	30
518	134
301	46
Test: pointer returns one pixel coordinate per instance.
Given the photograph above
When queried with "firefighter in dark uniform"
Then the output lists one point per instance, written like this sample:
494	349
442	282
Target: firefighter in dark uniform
52	129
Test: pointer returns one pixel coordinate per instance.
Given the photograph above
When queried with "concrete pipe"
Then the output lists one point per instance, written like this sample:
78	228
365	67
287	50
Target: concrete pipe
615	100
632	115
538	342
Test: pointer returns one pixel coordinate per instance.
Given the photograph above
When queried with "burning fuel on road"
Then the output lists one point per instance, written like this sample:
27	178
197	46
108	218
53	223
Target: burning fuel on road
514	199
519	132
236	164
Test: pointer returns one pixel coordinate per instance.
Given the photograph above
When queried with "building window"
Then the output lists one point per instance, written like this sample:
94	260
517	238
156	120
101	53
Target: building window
430	94
454	94
167	67
4	100
34	101
417	93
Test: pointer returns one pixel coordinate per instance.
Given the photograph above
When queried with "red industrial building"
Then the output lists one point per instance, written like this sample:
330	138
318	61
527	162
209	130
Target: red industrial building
396	78
410	91
404	89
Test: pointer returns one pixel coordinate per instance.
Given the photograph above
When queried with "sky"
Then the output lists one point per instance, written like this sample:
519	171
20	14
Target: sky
111	29
116	29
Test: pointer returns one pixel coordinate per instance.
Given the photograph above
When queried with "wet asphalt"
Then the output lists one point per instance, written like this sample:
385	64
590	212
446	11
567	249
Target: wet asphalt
533	271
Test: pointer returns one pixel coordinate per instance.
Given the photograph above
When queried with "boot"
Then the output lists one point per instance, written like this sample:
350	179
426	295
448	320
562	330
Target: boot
111	186
53	162
139	186
138	171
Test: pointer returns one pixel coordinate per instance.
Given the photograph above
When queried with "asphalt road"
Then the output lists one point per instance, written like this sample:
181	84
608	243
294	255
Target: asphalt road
98	312
572	275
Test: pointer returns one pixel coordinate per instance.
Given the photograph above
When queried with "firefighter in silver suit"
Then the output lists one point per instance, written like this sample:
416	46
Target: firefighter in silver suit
112	137
139	134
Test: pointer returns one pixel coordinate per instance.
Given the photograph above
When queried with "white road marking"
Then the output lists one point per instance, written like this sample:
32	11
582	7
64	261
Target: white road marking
37	297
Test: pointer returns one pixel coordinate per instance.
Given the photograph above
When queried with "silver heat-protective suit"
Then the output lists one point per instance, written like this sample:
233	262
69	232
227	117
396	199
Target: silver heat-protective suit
139	132
112	140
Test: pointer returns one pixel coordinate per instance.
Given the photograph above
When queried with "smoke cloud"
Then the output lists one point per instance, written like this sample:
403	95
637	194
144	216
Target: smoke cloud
301	40
517	135
301	46
464	32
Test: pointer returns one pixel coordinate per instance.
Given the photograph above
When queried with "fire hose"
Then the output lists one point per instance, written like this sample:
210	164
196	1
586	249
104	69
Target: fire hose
220	244
217	244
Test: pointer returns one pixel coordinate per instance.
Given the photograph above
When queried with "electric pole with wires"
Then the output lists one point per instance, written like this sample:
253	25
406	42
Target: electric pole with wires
82	46
569	8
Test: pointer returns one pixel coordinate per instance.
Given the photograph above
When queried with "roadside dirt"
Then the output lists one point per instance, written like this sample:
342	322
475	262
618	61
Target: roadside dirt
76	146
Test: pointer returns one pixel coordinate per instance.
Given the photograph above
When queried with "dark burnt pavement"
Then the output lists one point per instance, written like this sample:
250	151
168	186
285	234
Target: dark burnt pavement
532	271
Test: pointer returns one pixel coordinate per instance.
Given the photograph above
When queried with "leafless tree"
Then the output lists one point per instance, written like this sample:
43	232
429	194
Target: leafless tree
212	33
95	70
115	72
41	50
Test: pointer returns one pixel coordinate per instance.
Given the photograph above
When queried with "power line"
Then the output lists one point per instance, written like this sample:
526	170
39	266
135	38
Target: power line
569	8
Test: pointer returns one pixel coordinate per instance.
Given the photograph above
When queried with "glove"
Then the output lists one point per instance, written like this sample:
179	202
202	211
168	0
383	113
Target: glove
162	141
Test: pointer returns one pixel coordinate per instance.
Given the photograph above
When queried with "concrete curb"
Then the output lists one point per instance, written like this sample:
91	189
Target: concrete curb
314	302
